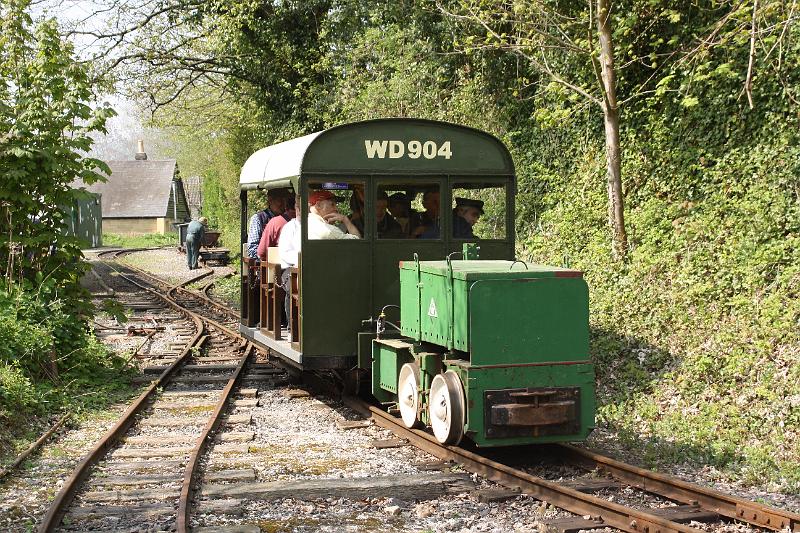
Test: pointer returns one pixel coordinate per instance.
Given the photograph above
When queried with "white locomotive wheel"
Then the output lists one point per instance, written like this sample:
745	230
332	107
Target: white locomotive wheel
408	386
447	409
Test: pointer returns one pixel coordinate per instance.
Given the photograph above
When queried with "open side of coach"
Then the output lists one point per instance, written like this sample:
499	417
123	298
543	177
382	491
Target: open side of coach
340	283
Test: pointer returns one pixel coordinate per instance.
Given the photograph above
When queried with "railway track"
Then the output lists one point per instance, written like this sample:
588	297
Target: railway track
691	503
682	505
142	472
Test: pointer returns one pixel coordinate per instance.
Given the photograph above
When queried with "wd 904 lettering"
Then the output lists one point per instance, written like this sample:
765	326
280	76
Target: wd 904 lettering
411	149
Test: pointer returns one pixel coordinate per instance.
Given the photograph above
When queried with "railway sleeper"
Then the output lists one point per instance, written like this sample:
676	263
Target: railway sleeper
680	514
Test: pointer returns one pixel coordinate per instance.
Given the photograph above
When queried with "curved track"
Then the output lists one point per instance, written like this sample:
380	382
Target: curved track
694	503
690	503
134	437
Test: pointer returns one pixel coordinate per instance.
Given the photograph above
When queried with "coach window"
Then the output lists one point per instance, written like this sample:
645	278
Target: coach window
339	204
408	211
479	210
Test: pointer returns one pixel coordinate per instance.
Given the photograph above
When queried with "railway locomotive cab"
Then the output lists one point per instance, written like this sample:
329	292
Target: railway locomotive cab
467	341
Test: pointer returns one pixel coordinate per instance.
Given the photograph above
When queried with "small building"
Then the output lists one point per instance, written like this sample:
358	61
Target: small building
142	196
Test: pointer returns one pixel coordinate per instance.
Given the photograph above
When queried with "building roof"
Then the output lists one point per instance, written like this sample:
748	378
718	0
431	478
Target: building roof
140	189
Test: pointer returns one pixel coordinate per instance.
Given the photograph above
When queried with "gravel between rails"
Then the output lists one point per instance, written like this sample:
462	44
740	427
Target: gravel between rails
297	438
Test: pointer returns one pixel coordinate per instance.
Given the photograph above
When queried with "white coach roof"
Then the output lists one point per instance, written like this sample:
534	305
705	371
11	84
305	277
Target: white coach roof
275	165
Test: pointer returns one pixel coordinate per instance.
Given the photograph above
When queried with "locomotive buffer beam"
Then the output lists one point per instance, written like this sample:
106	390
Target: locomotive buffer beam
540	411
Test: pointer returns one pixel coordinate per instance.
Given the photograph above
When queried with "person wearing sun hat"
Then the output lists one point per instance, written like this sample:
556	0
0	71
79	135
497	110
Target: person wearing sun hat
195	233
465	215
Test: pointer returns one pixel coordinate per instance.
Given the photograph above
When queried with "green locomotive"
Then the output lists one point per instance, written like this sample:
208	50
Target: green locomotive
488	348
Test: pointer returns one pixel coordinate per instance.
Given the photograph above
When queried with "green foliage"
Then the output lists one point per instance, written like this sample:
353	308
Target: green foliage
695	336
147	240
45	126
48	360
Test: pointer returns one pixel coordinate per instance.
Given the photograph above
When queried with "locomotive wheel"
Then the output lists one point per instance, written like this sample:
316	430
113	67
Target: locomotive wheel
408	385
447	408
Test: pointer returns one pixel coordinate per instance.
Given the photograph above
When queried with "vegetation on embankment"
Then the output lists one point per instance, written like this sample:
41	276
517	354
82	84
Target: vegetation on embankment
49	361
695	331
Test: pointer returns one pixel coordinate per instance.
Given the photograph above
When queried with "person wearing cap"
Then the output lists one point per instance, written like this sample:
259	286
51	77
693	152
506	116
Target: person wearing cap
400	208
323	214
195	233
272	231
465	215
276	205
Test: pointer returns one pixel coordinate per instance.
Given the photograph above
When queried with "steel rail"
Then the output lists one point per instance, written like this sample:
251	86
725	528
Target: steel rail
66	495
190	473
683	491
610	513
70	488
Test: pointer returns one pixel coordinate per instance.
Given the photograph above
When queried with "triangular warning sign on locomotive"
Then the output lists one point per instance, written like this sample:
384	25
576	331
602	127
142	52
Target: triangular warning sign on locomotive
432	310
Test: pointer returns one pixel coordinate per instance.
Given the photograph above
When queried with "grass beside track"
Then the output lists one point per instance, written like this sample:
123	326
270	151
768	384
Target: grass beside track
117	240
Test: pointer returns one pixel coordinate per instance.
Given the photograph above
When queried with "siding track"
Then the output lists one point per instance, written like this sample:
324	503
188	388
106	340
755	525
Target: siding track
140	475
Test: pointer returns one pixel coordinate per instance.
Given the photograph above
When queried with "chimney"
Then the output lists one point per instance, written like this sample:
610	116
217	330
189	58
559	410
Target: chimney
140	155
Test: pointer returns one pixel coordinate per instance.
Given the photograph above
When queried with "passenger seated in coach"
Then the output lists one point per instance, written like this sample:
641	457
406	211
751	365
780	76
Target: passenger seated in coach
325	221
357	207
465	215
400	208
429	227
388	227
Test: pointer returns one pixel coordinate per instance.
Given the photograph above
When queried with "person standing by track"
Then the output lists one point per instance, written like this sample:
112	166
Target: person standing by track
195	234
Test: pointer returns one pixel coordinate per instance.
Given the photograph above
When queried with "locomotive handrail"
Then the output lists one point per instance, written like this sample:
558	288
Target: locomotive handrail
518	261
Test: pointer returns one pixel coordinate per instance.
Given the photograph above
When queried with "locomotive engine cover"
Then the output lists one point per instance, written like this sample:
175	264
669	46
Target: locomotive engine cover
516	335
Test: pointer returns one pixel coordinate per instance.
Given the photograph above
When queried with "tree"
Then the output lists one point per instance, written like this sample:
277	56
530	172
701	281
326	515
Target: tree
610	54
569	47
45	125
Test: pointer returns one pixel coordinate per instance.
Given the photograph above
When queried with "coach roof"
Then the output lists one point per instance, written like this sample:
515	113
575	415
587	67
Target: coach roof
383	146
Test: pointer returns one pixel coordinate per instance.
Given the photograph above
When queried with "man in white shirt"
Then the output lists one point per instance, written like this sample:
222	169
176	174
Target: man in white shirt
323	214
322	211
289	240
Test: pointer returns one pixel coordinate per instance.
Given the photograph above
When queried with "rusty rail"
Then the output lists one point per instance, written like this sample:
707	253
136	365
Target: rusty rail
602	512
70	488
683	491
66	495
190	473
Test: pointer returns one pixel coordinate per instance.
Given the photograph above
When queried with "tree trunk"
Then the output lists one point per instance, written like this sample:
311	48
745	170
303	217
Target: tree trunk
616	214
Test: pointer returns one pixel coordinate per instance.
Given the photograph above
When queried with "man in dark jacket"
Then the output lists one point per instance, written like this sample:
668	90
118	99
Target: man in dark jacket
195	234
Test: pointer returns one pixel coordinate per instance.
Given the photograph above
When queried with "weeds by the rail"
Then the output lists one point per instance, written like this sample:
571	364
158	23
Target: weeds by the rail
228	290
140	241
50	363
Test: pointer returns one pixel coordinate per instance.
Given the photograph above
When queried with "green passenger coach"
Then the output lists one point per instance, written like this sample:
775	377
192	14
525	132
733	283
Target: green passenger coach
422	303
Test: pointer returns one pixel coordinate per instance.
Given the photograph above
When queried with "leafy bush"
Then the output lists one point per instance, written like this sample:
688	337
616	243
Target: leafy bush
48	358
